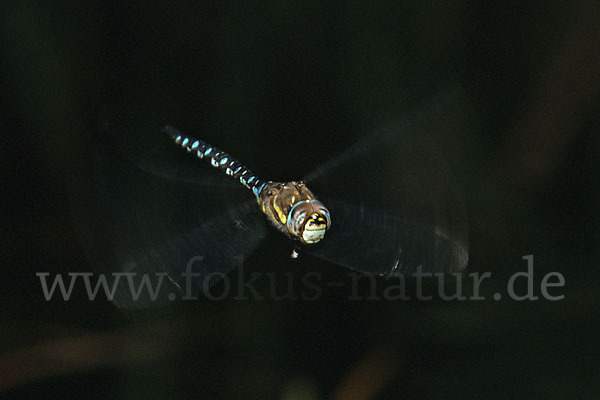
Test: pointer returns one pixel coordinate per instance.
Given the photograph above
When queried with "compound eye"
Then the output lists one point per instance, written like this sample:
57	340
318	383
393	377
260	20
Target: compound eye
324	214
327	220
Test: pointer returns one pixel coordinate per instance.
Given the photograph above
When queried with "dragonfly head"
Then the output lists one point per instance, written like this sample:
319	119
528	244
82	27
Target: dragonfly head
308	220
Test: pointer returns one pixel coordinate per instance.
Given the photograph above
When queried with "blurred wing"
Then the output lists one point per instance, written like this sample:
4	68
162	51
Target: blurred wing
377	242
190	171
155	153
401	206
149	227
209	251
443	114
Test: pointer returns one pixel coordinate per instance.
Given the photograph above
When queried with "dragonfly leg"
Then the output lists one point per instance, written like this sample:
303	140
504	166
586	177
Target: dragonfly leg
295	252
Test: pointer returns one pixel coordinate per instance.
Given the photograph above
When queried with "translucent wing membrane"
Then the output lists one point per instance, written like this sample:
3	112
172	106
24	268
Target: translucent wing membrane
152	151
393	202
205	254
150	229
387	244
163	163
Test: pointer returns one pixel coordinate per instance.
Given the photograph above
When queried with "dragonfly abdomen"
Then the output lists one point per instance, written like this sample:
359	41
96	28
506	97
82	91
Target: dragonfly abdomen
218	159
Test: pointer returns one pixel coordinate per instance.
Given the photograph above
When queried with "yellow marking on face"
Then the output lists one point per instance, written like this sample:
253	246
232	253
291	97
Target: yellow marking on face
316	219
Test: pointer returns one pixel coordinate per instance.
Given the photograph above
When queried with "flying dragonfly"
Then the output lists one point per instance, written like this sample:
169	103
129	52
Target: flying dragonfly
386	205
289	206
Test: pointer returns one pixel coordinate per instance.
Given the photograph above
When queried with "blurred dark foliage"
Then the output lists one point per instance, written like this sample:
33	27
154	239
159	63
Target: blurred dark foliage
259	79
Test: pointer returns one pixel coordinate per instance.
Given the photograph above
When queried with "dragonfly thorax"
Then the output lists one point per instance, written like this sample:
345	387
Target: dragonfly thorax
293	209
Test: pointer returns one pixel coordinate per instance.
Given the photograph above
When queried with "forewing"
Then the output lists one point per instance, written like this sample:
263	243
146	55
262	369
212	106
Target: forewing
393	200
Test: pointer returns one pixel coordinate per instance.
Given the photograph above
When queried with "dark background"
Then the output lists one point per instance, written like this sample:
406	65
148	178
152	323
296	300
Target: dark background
261	78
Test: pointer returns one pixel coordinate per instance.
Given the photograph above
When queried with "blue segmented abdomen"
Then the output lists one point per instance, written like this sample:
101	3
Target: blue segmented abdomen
218	159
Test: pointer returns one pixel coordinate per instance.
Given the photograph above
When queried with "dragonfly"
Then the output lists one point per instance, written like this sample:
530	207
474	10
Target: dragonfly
387	205
289	206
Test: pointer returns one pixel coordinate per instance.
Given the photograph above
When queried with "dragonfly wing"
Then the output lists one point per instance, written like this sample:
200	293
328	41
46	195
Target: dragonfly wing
140	225
445	113
191	262
190	172
401	204
378	242
153	152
